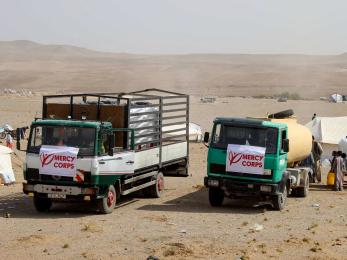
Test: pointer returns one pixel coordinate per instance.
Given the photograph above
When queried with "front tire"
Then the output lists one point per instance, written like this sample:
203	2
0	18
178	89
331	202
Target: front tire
106	205
279	201
216	197
42	204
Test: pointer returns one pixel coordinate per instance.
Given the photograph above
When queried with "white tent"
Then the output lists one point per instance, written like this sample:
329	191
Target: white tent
195	131
328	131
336	98
343	144
7	127
6	171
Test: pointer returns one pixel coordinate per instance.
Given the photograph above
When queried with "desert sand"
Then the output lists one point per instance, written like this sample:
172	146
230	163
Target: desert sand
181	224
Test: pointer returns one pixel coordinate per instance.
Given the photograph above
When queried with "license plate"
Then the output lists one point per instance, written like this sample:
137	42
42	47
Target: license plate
56	196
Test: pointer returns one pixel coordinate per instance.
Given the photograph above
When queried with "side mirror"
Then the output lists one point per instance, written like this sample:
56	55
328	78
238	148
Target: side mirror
285	145
110	141
206	137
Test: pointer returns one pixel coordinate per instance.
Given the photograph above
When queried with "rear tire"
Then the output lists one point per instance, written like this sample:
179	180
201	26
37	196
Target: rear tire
42	204
106	205
216	197
319	173
279	201
303	191
156	190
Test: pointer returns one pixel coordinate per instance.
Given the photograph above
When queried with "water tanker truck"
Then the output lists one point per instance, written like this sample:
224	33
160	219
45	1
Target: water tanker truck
263	158
97	147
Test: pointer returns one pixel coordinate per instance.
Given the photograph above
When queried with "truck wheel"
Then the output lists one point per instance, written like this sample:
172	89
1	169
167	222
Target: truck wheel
279	201
319	173
303	191
42	204
106	205
216	197
156	190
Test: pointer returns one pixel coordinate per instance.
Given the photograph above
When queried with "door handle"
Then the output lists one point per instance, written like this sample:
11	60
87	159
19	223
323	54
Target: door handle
129	162
101	162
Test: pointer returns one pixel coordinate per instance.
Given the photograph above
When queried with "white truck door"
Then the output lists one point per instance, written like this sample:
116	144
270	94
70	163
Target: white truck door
121	163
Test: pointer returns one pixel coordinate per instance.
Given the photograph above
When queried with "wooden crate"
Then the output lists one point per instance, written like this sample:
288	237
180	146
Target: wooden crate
115	114
111	113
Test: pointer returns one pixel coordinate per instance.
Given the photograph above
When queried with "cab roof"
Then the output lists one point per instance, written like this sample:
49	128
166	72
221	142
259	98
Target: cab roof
76	123
248	122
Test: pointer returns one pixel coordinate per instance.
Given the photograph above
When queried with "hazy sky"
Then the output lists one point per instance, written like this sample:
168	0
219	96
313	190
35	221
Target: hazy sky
181	26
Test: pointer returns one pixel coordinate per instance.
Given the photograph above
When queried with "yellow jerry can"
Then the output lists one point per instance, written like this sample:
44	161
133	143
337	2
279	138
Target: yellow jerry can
331	178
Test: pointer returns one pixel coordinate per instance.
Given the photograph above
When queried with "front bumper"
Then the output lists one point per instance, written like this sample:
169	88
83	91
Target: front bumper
59	190
237	188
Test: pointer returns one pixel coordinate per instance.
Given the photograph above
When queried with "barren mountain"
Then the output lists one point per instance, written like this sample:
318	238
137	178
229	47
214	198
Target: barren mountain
57	68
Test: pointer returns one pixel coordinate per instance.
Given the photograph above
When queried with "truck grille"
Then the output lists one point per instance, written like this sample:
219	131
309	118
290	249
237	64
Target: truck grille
34	175
220	169
240	187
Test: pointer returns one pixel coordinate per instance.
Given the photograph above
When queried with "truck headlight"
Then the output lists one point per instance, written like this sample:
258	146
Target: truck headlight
265	188
213	183
267	172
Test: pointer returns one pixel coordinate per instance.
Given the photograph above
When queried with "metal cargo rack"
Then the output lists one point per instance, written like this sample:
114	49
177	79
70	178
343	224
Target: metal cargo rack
165	109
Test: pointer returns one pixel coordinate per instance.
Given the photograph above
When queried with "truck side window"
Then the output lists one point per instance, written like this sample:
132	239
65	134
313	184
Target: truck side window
283	136
103	144
217	134
36	140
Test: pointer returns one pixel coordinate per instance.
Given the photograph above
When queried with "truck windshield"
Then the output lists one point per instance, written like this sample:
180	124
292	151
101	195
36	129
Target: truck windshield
227	134
79	137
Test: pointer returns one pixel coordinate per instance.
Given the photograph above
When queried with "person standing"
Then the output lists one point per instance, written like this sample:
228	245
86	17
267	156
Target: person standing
9	141
333	154
337	168
317	152
23	132
344	163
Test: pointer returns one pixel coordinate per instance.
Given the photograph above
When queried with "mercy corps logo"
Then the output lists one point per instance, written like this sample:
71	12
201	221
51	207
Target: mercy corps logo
248	160
57	161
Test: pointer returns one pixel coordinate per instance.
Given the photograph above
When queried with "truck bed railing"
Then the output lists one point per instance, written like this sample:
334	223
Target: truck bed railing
154	126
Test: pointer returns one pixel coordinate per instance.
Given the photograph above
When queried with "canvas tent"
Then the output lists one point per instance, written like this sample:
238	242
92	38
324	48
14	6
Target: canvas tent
343	144
6	171
336	98
7	127
328	131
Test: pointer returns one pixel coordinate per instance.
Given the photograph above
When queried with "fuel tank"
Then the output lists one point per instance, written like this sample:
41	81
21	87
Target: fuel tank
300	140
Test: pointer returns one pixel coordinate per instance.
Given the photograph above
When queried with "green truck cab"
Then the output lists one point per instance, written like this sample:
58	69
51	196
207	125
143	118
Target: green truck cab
96	144
274	182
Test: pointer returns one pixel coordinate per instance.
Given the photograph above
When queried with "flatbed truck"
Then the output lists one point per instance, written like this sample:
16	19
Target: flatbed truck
97	147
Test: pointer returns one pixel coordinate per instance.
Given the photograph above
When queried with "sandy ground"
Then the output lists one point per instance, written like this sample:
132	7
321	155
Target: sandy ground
57	68
181	224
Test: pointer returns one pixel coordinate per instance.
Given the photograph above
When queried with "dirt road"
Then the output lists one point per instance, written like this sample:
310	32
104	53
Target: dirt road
181	224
